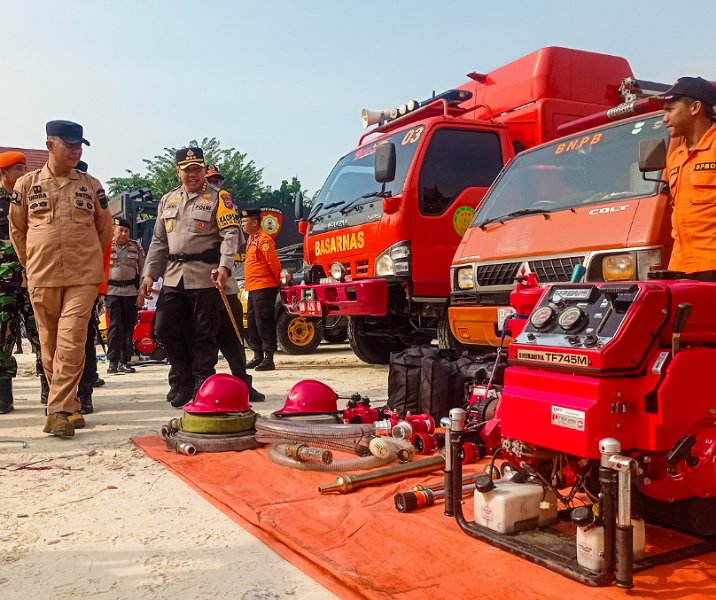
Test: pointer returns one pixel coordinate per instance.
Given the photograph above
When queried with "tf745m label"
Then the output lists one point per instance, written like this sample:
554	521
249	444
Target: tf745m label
559	358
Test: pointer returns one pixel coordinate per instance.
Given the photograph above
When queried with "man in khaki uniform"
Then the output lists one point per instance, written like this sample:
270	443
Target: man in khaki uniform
126	263
59	225
196	232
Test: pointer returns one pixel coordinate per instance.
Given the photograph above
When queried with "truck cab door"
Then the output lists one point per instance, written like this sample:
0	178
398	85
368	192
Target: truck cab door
457	168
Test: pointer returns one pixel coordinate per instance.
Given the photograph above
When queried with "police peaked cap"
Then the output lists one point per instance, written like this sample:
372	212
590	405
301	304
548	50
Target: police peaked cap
190	156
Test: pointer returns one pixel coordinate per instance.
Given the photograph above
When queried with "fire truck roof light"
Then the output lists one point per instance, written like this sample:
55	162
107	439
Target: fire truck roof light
450	96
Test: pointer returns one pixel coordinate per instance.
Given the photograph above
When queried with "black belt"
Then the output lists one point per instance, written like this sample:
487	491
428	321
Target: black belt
208	256
121	282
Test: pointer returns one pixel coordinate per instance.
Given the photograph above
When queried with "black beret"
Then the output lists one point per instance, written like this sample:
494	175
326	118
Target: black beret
251	212
120	222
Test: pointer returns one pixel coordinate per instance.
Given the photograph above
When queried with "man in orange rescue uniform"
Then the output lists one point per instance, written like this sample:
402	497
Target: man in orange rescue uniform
261	271
60	225
691	168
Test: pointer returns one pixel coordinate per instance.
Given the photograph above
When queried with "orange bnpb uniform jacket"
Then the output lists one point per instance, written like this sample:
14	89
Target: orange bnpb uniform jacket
262	267
692	181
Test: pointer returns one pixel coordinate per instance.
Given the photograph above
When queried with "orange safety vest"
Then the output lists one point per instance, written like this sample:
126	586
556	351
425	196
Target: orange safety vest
262	267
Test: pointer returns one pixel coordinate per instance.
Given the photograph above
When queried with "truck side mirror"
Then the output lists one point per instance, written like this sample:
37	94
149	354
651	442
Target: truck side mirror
385	163
652	157
298	205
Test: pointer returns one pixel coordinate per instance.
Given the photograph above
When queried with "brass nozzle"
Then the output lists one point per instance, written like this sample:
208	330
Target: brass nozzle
349	482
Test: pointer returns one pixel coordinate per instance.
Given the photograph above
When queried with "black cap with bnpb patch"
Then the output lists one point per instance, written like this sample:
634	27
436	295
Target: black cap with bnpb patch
251	212
696	88
68	131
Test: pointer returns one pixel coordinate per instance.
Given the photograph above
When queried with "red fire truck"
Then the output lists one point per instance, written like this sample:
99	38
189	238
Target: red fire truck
380	237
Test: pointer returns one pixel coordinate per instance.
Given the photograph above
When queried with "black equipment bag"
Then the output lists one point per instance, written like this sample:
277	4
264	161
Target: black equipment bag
442	383
404	378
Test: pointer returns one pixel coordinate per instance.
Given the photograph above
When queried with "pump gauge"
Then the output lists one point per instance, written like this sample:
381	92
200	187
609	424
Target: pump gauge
542	317
570	318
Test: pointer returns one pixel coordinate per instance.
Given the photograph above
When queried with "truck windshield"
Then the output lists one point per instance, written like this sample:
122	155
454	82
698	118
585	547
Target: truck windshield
591	168
352	181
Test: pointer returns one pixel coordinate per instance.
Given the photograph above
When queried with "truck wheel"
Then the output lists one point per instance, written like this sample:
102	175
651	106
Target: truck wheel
374	350
446	340
296	334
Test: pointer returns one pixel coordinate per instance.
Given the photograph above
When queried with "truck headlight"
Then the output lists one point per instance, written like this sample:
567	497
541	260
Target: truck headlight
384	266
396	260
466	278
630	266
338	271
286	277
618	267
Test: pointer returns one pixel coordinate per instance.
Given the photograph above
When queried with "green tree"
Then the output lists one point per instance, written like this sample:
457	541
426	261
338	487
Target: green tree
284	195
242	176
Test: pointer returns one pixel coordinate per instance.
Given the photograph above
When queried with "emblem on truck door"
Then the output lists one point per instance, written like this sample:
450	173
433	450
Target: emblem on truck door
462	218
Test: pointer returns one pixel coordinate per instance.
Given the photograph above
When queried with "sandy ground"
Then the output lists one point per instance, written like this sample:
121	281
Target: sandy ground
93	517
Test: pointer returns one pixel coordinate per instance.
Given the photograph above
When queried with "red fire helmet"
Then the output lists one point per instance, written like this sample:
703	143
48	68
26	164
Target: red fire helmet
309	397
220	393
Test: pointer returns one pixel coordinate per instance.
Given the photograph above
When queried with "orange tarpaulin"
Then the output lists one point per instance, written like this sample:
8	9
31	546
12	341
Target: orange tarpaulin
359	546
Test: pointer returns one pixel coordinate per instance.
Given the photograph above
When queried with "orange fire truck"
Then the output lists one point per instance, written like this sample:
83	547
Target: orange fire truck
579	200
381	234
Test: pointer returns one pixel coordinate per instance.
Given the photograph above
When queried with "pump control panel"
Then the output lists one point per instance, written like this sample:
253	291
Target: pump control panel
578	316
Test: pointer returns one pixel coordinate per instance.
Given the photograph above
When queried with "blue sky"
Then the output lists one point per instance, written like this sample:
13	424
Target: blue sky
285	81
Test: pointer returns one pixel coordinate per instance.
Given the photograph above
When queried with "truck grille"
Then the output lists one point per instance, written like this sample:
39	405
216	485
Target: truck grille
500	274
361	268
549	270
555	270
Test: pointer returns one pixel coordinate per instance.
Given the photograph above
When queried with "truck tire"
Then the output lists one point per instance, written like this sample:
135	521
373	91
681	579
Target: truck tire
296	334
446	340
374	350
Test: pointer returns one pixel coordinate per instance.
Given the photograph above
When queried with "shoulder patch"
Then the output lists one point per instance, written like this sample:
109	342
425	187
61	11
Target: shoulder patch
226	199
226	215
15	198
265	247
101	197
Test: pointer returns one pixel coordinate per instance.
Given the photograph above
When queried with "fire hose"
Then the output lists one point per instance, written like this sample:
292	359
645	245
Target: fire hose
285	437
342	438
192	443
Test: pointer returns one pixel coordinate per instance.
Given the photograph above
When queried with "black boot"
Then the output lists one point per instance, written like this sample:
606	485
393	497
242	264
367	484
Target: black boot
6	401
266	364
183	396
197	384
112	368
44	389
256	360
173	391
84	392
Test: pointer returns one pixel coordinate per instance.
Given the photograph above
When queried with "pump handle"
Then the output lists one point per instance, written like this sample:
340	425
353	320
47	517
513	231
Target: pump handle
682	315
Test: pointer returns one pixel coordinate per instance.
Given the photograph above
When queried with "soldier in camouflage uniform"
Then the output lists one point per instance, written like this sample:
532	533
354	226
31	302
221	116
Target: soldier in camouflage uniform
14	299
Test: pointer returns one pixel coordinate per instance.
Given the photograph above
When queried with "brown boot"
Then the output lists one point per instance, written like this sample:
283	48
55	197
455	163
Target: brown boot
77	420
58	424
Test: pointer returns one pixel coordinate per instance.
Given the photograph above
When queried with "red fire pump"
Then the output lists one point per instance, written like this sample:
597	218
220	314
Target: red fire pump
608	393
